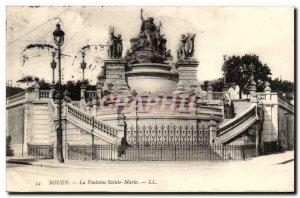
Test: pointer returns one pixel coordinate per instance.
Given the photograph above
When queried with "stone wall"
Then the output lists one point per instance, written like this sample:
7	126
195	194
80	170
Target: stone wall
15	128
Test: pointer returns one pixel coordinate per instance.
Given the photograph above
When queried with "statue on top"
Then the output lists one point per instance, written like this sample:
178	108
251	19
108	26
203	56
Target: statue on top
150	42
186	47
115	45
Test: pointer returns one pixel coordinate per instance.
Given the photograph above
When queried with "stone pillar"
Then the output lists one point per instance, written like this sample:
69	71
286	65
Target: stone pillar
253	98
82	92
267	91
209	92
94	107
121	128
187	73
37	91
51	93
115	74
99	90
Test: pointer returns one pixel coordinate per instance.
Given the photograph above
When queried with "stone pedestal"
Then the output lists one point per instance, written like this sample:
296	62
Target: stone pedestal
115	75
187	71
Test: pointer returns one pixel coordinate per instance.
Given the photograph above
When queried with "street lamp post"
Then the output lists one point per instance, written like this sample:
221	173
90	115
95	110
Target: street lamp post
83	65
58	36
53	66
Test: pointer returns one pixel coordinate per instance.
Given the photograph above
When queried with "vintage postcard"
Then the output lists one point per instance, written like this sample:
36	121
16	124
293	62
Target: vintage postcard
150	99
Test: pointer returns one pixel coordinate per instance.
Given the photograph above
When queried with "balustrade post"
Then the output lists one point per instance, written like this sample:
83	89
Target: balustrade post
37	91
253	97
209	92
94	107
82	92
99	90
121	129
267	91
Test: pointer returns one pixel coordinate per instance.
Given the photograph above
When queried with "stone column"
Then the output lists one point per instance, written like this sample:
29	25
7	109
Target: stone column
82	92
187	73
209	92
253	98
37	91
267	91
94	107
121	128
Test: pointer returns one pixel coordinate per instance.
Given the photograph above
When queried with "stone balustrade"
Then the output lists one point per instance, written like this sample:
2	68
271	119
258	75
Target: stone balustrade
90	121
44	94
274	98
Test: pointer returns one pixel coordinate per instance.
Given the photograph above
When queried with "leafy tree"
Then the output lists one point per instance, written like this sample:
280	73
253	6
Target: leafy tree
239	71
216	84
285	87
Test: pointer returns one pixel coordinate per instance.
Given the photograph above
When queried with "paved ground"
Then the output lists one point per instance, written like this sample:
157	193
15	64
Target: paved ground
265	173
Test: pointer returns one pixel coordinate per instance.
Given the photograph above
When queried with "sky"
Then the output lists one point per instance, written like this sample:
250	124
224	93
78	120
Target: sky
265	31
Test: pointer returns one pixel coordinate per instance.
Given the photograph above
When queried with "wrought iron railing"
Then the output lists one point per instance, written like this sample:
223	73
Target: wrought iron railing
43	151
167	135
209	152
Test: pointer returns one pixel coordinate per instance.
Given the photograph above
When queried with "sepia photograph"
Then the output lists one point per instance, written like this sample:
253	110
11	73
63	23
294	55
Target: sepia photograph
150	99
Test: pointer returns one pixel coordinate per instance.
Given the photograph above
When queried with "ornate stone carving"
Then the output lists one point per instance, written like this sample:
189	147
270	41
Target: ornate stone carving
115	45
149	46
186	47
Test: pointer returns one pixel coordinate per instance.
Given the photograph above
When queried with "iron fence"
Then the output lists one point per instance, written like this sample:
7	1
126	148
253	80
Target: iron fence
167	135
208	152
44	151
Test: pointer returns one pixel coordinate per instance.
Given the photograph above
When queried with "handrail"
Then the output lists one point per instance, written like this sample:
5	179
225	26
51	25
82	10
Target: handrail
90	120
247	113
16	96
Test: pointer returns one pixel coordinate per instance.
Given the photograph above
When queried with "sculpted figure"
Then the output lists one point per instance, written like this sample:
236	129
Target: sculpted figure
186	46
115	45
148	27
189	46
119	46
111	43
181	48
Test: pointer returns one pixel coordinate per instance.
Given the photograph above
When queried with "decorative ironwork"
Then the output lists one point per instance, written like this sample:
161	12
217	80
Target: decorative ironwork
44	151
167	135
209	152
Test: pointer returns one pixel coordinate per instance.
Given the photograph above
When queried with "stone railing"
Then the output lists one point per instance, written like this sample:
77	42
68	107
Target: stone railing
251	112
44	94
89	120
274	98
16	99
217	95
90	94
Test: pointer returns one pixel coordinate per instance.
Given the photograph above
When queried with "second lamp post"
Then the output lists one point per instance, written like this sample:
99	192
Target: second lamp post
58	36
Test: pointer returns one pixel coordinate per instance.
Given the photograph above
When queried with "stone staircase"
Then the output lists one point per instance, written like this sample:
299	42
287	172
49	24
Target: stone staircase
241	122
87	123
